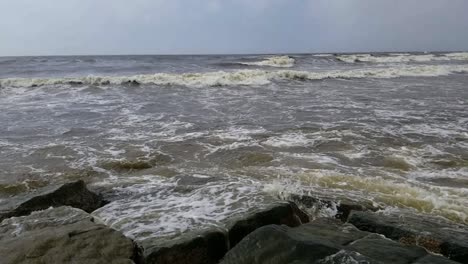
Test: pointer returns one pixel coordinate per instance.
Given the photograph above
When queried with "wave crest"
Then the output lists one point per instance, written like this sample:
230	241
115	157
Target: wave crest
239	78
402	57
279	61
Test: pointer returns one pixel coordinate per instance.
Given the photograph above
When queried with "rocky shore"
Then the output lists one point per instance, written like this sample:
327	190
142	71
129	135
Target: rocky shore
57	224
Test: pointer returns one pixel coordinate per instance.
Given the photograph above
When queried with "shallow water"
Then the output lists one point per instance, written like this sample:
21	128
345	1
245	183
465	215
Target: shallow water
216	135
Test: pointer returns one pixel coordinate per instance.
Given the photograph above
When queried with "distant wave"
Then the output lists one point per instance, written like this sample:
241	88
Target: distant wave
240	77
402	57
278	61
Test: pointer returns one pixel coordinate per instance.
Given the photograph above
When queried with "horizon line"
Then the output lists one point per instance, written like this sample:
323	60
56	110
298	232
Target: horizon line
235	54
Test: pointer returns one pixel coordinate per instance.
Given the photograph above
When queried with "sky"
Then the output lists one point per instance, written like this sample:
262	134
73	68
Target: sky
81	27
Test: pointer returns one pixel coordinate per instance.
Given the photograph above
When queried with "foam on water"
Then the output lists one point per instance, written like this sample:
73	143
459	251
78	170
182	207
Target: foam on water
163	210
238	133
290	140
446	202
402	57
279	61
241	77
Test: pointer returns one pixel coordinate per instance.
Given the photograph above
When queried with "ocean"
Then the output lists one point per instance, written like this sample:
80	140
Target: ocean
178	143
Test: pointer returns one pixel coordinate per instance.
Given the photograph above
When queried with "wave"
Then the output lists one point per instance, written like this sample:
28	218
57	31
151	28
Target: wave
402	57
279	61
240	77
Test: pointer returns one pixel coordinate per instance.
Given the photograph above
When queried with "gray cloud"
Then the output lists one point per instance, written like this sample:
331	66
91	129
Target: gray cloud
32	27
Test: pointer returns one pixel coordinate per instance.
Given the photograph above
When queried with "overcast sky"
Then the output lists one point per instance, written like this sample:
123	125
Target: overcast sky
55	27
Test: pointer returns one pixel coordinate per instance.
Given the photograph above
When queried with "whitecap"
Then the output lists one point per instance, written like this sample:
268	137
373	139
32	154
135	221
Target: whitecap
241	77
278	61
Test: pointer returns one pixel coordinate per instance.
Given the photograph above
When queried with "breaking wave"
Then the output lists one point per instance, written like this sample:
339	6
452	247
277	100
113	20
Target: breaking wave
239	78
402	57
280	61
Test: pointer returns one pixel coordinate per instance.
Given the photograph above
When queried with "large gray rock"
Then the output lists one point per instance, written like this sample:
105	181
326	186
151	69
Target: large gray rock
433	233
209	246
73	194
194	219
324	241
385	250
62	235
283	214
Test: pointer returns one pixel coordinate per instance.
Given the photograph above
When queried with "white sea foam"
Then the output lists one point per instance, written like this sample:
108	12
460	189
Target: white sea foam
160	211
457	55
289	140
403	57
238	133
241	77
391	192
279	61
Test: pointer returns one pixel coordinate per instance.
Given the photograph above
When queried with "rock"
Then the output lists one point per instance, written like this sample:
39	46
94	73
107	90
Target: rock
285	214
343	208
62	235
435	234
73	194
324	241
433	259
207	248
385	250
345	256
275	244
194	219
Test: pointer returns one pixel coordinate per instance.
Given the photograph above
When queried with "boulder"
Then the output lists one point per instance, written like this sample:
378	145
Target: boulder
433	259
63	235
436	234
283	214
73	194
323	241
385	250
208	247
194	219
343	207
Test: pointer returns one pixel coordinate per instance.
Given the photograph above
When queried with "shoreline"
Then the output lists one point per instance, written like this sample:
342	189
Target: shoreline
424	238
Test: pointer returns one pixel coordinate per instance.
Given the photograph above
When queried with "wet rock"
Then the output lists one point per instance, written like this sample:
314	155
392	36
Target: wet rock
322	241
62	235
386	251
206	248
304	244
343	208
275	244
345	256
433	259
73	194
285	214
209	246
435	234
